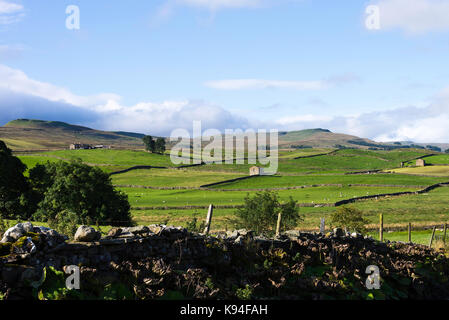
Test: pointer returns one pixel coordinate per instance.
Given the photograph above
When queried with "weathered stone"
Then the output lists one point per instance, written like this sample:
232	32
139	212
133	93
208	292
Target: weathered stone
339	232
23	246
16	232
157	229
114	232
293	233
87	234
137	230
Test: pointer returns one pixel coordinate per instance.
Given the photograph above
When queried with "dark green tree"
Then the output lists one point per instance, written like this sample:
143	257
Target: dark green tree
75	187
260	213
14	188
160	145
150	144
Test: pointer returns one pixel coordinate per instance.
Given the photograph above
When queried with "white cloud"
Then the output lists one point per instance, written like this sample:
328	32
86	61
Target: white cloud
241	84
17	81
419	124
414	16
10	12
106	111
23	97
238	84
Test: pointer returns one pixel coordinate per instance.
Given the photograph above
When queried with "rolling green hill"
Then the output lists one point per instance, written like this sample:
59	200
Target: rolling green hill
25	134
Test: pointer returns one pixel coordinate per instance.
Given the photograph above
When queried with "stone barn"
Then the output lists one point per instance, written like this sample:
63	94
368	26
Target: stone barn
256	171
420	163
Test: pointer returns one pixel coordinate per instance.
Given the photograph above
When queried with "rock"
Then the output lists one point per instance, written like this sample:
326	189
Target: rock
114	232
239	240
16	232
52	237
292	234
87	234
157	229
356	235
24	245
137	230
232	234
339	232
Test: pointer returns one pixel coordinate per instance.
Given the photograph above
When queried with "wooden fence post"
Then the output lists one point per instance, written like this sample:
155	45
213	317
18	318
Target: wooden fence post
278	225
209	219
444	233
409	232
381	228
431	238
323	226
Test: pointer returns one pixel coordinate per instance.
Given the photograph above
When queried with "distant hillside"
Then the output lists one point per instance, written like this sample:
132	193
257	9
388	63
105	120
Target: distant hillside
26	134
323	138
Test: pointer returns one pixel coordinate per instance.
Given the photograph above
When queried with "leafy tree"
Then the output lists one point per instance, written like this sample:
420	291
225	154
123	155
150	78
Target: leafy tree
447	151
260	213
160	145
349	218
150	144
75	187
14	188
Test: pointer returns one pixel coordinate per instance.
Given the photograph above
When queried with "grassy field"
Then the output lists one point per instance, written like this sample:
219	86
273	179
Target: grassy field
150	198
171	178
307	180
422	210
438	159
437	171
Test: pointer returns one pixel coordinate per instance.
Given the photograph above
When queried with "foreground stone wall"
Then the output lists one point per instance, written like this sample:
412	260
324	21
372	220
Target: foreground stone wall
167	262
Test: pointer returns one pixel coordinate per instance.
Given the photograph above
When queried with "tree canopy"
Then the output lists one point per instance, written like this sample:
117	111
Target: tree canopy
260	213
86	191
14	188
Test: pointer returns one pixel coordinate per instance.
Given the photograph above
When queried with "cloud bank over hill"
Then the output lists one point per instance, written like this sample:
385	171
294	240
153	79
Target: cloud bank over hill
23	97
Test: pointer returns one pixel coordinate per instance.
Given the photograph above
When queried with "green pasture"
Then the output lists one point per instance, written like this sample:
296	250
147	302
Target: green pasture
139	197
438	159
171	177
307	180
348	160
122	158
437	171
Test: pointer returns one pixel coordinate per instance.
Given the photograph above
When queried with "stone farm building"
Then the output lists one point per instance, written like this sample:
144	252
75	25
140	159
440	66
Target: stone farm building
256	171
420	163
82	146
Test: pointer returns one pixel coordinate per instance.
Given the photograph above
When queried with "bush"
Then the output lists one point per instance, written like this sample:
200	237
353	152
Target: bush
349	218
14	188
260	213
65	223
75	187
194	226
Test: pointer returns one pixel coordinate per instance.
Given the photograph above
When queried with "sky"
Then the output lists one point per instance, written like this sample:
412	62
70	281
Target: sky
376	69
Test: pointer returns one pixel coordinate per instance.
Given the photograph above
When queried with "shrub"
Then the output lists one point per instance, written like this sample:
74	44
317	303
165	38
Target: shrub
65	222
194	226
14	188
260	213
75	187
349	218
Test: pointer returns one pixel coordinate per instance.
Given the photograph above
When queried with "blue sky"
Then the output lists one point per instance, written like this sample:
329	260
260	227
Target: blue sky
154	66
